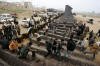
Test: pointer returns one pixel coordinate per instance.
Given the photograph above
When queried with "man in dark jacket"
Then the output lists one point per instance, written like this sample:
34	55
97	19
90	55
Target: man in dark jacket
48	47
70	45
4	43
91	34
54	46
1	34
91	41
59	47
23	51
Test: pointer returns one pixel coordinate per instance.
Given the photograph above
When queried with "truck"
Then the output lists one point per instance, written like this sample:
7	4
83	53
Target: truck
6	17
26	21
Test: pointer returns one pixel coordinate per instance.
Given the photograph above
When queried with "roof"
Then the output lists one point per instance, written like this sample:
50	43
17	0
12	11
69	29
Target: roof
5	14
68	6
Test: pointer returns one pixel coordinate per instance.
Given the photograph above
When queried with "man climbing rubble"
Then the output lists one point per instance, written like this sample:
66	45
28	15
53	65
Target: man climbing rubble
70	46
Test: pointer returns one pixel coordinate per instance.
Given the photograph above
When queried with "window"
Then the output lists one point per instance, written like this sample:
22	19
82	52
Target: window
8	15
3	15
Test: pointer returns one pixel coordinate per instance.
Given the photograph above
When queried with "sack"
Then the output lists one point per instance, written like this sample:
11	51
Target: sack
13	45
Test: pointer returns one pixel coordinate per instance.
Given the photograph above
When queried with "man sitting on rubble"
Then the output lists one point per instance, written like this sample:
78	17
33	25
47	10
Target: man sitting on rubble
13	46
23	51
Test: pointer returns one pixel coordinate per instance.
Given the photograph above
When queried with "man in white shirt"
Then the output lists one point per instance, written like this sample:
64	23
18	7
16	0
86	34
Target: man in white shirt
84	44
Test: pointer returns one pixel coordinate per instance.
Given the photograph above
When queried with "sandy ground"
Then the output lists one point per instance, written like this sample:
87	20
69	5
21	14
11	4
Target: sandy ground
95	27
26	14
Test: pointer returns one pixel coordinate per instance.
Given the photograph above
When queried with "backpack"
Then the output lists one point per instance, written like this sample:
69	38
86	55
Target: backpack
71	45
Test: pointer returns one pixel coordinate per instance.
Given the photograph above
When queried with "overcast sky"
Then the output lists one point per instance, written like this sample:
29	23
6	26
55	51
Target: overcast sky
78	5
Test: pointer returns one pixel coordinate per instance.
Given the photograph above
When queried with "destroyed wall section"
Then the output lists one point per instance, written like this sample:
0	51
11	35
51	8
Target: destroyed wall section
68	11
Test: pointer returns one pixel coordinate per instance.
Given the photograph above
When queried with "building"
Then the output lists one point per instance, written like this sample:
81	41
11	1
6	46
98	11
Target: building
28	5
68	11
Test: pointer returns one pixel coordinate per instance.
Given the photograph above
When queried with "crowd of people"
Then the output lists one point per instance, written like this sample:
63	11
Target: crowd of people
11	38
88	42
11	30
55	47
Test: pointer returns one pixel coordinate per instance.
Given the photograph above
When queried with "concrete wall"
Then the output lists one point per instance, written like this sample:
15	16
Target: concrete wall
11	60
68	11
